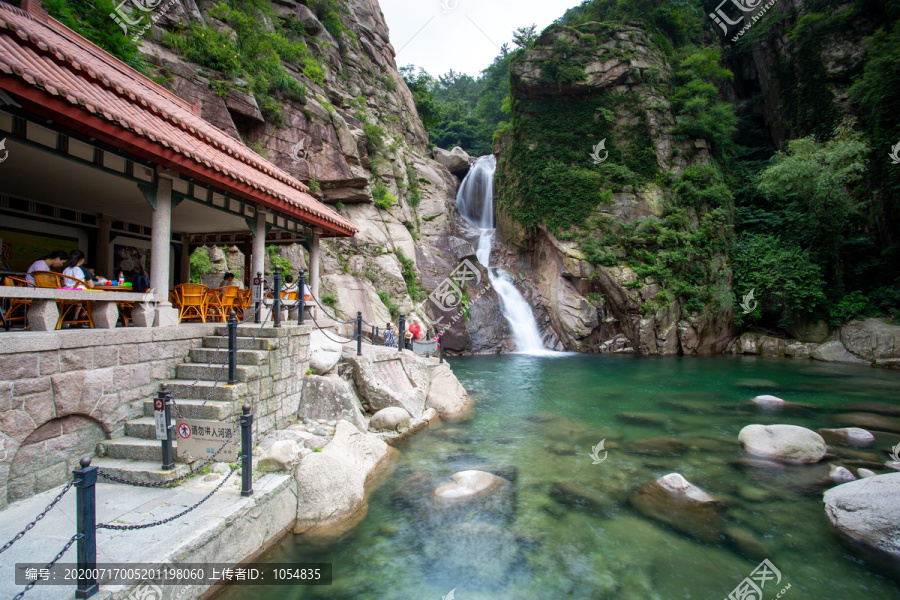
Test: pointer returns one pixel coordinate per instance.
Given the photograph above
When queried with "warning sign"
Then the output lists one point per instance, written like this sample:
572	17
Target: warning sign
201	439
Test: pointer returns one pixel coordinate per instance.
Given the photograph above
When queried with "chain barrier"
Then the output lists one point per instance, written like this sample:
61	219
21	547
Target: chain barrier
323	332
68	545
172	518
166	482
28	527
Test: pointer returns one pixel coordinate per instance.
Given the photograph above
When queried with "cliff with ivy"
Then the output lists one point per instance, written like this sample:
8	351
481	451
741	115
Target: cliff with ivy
652	173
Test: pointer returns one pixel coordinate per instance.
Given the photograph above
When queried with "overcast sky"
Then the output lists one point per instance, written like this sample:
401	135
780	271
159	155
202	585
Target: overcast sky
463	35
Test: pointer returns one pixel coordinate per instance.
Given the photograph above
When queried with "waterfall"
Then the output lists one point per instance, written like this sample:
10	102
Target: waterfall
475	200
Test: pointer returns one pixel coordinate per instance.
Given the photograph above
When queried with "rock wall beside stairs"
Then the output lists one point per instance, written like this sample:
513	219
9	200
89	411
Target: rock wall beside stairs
62	392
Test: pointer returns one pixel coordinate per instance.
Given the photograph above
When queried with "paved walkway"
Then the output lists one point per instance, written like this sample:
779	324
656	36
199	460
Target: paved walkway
185	537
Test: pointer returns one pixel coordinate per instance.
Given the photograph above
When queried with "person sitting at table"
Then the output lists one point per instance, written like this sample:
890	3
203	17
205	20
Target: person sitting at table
76	270
54	260
289	285
227	280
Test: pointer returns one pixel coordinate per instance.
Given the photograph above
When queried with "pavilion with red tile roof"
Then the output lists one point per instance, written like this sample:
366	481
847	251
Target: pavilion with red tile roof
94	145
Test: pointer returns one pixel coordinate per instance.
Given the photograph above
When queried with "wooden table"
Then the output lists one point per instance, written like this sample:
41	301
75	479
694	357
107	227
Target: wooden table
114	288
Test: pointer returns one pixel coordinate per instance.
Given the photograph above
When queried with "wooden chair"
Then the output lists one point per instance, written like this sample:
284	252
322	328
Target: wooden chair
190	300
72	309
221	302
18	307
125	309
242	302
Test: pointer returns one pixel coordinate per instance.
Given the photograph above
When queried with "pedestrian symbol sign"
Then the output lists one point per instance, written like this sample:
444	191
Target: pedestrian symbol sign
184	431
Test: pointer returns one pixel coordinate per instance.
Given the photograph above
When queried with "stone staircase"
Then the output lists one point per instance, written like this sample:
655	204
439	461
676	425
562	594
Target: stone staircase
137	456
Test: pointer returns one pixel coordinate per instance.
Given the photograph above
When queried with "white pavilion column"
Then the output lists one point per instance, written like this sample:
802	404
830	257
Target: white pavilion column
160	244
185	267
258	255
314	263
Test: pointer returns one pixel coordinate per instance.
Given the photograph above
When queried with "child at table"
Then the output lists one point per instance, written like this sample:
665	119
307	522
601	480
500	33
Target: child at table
76	270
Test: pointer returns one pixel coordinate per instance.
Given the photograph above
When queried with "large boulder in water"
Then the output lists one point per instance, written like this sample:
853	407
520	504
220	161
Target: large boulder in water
785	443
675	501
392	418
473	495
447	396
867	516
331	493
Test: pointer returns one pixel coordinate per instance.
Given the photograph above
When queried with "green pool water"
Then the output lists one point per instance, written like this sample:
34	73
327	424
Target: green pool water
538	547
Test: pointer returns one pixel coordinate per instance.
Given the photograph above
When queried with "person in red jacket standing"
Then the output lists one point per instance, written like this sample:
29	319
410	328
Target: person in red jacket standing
416	330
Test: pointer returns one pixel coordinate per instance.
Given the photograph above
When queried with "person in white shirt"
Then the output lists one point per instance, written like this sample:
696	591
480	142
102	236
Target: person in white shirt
54	260
74	269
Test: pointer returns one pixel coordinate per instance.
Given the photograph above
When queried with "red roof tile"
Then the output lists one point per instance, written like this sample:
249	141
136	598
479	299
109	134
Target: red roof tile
48	56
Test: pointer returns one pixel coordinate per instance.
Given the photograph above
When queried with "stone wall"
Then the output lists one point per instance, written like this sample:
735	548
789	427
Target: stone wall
62	391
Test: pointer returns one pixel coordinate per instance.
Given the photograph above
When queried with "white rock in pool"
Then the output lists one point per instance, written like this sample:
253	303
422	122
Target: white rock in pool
784	443
840	474
769	402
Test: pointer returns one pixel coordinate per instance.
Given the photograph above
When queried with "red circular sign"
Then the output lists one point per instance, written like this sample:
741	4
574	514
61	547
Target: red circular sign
158	404
184	431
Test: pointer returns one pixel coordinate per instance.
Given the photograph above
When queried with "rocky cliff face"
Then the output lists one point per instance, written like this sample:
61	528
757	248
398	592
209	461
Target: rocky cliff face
357	140
595	304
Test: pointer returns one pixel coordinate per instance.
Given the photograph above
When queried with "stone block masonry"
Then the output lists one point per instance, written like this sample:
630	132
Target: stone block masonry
63	392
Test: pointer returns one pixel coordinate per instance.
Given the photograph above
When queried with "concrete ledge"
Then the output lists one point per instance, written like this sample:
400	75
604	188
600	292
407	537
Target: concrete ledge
15	342
59	294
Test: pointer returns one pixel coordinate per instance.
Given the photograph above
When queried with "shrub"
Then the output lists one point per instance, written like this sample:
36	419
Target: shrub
384	199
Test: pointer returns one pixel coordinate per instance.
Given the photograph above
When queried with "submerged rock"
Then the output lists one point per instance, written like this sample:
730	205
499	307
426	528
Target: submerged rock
746	543
867	516
848	436
675	501
879	408
786	443
480	554
581	496
657	446
472	496
868	421
653	419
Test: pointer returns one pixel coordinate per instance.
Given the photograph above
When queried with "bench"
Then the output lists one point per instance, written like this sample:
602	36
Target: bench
43	314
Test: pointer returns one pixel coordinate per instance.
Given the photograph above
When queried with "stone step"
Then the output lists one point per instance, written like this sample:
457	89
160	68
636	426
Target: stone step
132	448
218	357
143	427
205	373
253	330
137	470
198	390
246	343
214	410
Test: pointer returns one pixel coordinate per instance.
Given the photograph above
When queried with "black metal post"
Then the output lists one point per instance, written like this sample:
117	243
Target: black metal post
258	302
276	305
301	285
86	519
402	341
375	337
247	452
232	348
441	345
168	456
359	333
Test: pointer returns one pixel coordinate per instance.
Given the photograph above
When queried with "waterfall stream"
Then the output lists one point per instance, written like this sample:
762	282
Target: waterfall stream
475	200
